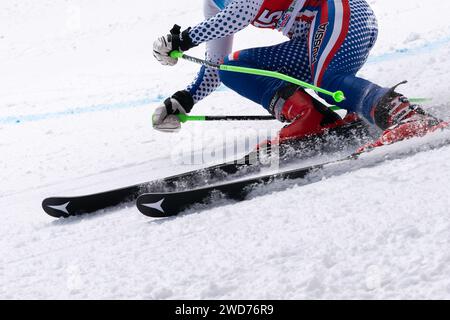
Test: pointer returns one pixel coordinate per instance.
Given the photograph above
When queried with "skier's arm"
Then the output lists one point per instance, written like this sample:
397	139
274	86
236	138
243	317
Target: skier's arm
233	18
217	31
219	40
206	81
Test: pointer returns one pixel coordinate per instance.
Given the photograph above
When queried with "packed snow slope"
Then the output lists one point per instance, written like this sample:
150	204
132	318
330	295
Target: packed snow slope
78	86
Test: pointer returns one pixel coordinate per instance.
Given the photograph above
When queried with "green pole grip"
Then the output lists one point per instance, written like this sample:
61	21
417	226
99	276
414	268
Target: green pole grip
176	54
185	118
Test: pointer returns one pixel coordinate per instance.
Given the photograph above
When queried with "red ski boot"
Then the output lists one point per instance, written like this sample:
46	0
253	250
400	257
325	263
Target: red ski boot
401	120
308	118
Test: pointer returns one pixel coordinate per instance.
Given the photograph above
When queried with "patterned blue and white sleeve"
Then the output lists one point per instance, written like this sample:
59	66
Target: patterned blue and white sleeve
234	16
223	19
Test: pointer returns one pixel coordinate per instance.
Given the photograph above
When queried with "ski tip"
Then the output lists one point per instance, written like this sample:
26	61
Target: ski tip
56	207
153	205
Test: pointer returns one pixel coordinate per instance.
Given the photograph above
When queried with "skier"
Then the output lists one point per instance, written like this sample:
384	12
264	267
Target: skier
329	42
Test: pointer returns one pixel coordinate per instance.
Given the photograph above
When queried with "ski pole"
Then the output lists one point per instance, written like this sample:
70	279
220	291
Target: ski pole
185	118
338	96
420	100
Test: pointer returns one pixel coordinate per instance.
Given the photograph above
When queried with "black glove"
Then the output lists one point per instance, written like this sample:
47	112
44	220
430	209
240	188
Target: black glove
176	40
165	119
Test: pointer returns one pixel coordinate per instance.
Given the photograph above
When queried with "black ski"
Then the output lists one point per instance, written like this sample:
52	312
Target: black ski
63	207
166	204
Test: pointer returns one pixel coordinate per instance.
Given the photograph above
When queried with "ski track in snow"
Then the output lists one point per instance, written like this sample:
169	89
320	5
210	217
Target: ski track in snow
88	87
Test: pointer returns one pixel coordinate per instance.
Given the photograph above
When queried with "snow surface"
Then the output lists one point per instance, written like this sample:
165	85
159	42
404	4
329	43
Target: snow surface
78	85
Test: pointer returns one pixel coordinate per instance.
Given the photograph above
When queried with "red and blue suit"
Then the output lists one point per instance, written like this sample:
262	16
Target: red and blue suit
329	42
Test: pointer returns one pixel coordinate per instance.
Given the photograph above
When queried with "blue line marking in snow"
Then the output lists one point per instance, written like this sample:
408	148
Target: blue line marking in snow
407	52
10	120
76	111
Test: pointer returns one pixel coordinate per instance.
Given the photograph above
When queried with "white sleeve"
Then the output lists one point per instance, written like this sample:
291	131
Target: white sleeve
207	80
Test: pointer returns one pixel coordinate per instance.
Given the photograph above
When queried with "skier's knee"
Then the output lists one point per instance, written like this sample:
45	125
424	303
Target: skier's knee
336	82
